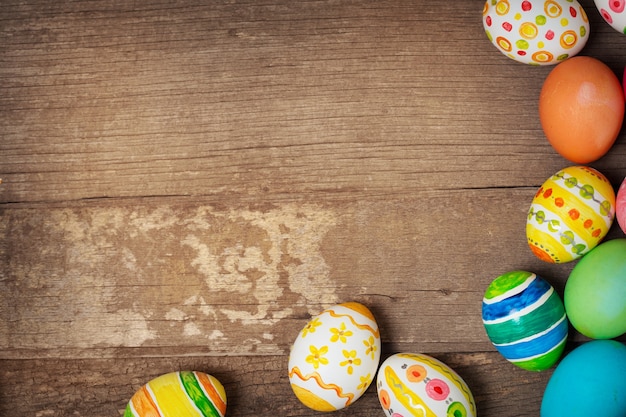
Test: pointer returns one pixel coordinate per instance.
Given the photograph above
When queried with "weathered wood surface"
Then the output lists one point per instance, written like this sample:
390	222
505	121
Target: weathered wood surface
184	184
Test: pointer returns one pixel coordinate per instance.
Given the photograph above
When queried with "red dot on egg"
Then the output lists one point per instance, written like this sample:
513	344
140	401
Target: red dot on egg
574	214
507	26
596	233
559	202
526	6
539	192
549	35
572	11
488	21
588	223
547	193
606	16
521	53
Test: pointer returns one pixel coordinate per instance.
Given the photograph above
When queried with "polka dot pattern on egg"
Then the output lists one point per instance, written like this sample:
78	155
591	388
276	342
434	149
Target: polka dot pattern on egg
536	32
614	13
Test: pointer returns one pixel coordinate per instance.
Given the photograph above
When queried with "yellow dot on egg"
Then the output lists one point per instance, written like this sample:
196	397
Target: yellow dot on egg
518	16
564	22
540	44
502	7
528	30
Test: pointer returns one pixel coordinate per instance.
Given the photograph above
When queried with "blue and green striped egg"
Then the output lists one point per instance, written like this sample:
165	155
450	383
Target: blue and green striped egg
525	320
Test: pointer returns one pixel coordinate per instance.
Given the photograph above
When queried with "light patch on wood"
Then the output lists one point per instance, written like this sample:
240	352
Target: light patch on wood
139	276
191	329
294	235
215	334
121	328
175	314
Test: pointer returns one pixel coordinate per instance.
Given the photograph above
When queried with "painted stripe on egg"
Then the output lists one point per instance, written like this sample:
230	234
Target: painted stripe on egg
518	306
543	361
214	391
171	397
527	324
523	296
514	290
535	345
559	323
197	396
548	225
177	394
572	200
540	355
523	324
595	194
554	250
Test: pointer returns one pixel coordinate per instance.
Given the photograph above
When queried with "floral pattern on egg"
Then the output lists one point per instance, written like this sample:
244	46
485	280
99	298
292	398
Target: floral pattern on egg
335	357
614	13
536	32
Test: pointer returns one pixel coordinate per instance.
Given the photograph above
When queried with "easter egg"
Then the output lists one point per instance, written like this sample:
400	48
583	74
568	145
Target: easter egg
525	320
620	206
589	381
595	292
613	12
536	32
179	394
410	384
581	109
335	357
570	214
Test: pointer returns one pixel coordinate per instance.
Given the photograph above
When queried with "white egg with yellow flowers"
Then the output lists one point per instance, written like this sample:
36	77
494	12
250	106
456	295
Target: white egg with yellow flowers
335	357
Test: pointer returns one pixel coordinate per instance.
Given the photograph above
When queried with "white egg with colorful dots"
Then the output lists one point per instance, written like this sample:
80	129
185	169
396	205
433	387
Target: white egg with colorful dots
536	32
412	384
614	13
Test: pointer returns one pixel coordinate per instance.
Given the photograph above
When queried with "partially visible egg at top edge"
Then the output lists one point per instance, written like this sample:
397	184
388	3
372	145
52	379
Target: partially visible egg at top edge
536	32
614	13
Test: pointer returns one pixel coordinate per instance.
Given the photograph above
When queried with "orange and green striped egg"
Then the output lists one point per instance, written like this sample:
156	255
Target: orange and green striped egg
525	320
179	394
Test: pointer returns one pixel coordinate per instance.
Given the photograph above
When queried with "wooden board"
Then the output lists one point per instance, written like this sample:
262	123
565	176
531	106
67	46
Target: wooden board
184	184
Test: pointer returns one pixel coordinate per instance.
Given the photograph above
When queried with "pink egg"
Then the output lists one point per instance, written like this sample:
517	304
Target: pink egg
620	206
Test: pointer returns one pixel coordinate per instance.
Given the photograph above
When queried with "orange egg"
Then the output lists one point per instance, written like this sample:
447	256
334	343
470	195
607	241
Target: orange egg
581	109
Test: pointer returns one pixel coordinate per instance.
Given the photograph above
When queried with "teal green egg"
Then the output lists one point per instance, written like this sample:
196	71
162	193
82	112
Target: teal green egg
525	320
589	381
595	292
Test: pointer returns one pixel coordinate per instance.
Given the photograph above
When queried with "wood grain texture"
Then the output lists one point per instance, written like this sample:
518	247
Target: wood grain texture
183	184
255	385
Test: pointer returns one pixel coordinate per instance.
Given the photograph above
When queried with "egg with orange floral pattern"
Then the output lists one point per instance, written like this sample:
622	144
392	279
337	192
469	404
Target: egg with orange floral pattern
335	357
